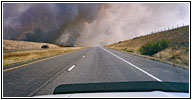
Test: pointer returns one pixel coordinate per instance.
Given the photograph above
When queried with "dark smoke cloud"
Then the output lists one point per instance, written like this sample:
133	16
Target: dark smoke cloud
88	24
48	22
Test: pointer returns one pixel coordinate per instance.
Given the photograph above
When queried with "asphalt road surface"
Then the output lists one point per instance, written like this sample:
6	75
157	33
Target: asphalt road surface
88	65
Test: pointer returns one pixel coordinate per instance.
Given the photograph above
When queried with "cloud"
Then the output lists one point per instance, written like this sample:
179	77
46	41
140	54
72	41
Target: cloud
89	24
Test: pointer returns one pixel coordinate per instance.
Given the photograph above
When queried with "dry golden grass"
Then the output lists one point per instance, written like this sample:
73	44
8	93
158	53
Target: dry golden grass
22	56
177	53
178	56
21	45
179	36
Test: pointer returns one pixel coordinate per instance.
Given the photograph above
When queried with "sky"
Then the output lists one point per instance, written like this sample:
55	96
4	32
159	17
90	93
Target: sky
89	24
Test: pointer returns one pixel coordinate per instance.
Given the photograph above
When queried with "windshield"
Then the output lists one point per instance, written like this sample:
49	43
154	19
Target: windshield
61	48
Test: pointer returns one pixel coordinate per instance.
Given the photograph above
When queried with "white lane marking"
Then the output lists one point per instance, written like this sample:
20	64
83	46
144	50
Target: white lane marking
83	56
133	65
71	68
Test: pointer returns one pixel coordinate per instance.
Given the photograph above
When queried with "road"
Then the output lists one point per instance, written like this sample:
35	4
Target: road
88	65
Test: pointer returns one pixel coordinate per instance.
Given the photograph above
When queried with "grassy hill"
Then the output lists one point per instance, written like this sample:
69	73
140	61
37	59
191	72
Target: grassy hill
22	51
22	45
176	53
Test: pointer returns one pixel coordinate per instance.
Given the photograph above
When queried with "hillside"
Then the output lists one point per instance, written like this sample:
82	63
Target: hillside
22	51
176	53
23	45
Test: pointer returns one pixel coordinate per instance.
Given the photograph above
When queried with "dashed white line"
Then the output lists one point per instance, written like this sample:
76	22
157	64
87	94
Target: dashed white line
133	65
71	68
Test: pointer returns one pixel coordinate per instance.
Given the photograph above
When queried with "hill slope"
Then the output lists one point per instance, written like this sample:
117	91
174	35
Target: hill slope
22	51
22	45
176	53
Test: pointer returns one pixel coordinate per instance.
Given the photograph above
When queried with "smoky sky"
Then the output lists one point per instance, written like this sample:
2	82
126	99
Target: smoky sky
88	24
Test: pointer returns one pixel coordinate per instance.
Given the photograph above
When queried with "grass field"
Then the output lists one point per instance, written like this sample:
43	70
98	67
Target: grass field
25	45
178	46
22	56
22	51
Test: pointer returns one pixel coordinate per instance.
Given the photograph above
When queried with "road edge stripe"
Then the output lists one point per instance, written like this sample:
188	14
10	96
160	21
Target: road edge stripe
133	65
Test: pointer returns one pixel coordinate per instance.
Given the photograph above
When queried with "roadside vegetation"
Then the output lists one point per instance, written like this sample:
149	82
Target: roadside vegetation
25	45
150	48
21	51
10	58
171	46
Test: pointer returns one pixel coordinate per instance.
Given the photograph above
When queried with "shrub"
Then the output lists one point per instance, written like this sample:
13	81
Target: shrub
151	48
44	46
127	50
124	49
130	50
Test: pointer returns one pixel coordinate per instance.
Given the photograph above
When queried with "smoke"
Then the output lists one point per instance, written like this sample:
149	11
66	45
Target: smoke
88	24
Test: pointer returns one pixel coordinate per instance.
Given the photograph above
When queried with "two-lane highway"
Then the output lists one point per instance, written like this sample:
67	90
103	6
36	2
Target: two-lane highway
88	65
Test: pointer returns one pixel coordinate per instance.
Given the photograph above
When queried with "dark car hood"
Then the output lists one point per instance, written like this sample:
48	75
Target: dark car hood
141	86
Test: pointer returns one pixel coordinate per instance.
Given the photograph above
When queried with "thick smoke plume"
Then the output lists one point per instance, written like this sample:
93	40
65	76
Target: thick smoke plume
88	24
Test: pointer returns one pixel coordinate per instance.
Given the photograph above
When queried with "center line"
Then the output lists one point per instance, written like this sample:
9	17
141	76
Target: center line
71	68
133	65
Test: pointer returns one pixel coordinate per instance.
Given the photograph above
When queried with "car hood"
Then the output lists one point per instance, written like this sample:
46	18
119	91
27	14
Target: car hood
123	89
119	95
